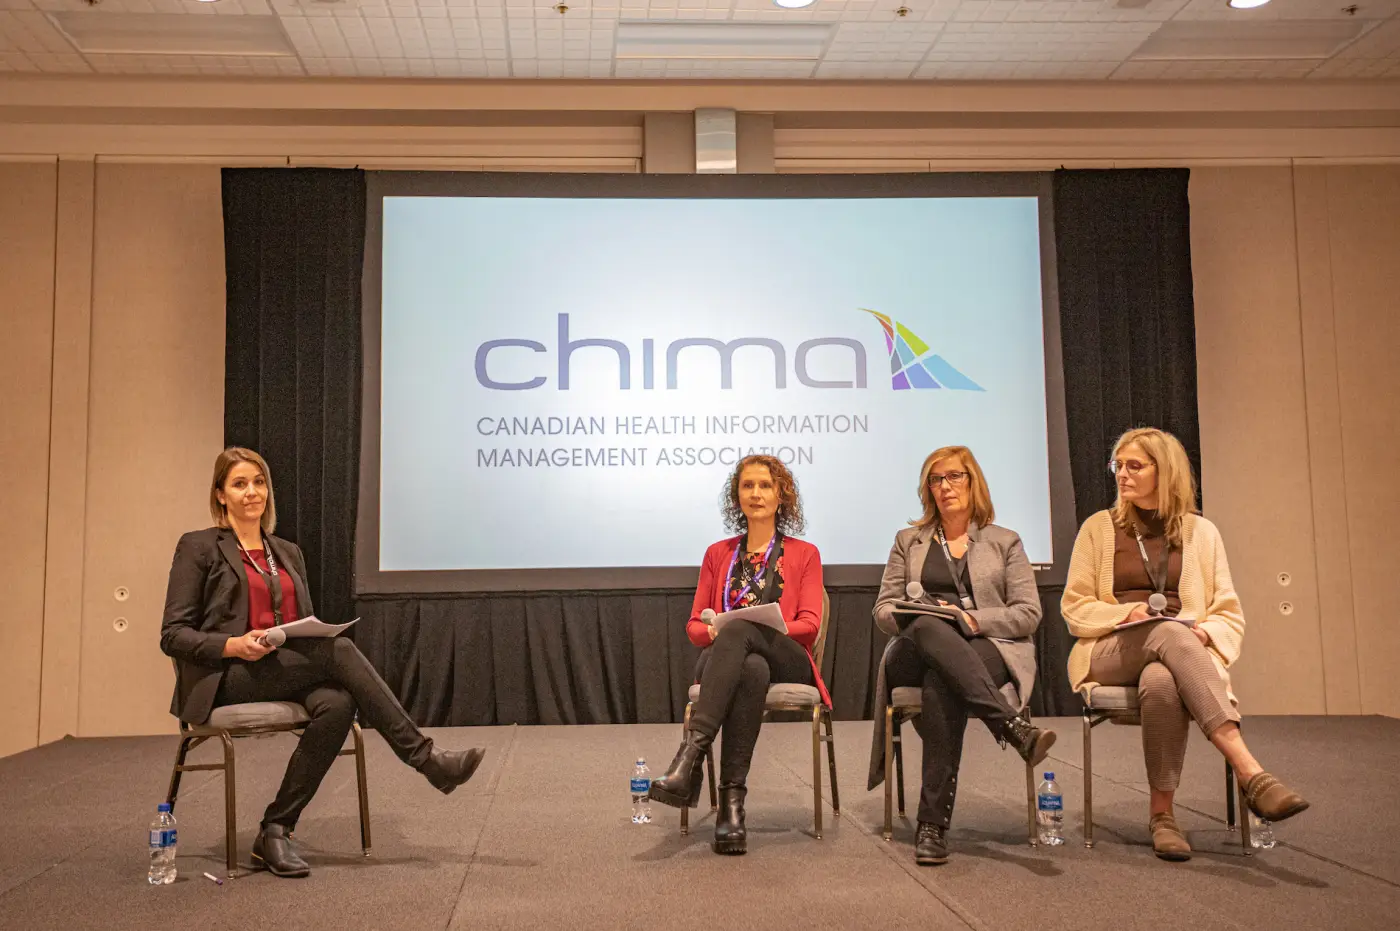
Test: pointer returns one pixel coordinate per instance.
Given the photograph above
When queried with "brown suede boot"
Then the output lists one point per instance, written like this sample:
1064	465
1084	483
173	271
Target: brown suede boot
1168	842
1272	800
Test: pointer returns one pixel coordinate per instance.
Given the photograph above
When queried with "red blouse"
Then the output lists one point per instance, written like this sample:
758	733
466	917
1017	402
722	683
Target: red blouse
801	601
260	599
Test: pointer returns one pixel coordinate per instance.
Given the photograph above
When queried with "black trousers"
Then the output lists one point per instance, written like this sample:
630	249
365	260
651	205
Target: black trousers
734	674
331	678
959	678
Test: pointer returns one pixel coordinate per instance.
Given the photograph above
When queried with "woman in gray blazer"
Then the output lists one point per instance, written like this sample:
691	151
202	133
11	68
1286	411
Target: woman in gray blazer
959	559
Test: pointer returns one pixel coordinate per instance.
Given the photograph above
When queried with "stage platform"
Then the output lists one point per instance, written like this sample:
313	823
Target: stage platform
541	839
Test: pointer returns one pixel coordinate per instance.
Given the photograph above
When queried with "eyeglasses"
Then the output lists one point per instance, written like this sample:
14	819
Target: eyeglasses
1132	465
954	479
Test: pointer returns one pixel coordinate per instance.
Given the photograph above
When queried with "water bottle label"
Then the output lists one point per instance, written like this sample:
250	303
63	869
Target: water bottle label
163	838
640	785
1051	803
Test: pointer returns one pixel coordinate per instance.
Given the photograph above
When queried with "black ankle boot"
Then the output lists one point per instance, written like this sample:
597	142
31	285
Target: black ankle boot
680	786
1030	741
447	769
730	834
930	844
273	850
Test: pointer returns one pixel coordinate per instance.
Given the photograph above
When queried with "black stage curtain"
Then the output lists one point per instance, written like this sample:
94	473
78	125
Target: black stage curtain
293	252
1127	318
588	658
1128	334
294	246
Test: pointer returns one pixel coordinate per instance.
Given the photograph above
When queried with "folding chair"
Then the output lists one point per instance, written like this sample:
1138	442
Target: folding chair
906	703
255	719
788	696
1120	705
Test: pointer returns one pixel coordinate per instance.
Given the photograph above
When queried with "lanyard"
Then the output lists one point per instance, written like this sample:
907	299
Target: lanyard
963	597
768	560
1158	585
271	577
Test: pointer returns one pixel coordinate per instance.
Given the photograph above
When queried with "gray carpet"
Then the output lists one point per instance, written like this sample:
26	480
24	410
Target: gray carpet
541	837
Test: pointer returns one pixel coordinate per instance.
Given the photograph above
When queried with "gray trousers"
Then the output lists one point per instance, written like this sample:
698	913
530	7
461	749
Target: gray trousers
1176	680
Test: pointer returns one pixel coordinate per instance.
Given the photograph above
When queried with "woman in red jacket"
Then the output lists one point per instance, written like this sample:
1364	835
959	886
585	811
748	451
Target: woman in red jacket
762	565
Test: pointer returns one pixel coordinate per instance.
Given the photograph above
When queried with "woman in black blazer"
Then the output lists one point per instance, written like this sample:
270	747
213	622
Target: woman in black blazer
228	586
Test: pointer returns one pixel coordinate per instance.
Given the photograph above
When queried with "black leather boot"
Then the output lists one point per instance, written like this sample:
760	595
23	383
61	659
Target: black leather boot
680	786
447	769
730	835
274	852
930	844
1030	741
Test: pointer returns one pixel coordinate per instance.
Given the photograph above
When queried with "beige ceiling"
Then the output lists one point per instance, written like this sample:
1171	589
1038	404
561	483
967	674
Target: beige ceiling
1051	40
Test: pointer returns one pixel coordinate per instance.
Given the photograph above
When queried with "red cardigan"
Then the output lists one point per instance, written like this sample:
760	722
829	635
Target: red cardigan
801	602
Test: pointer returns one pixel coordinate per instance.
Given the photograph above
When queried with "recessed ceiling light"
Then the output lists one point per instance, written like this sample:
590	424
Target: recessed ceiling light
794	4
1246	4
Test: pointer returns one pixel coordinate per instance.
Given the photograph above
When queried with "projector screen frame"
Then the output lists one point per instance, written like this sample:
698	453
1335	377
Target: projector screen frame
371	580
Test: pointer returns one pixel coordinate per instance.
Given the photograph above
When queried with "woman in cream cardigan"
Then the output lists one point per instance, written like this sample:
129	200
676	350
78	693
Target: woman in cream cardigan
1150	598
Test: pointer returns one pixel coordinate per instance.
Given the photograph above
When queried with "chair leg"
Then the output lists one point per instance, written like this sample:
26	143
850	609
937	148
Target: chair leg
889	772
1088	779
363	784
1032	834
899	762
817	768
685	733
1229	796
831	761
1246	842
230	808
710	775
177	772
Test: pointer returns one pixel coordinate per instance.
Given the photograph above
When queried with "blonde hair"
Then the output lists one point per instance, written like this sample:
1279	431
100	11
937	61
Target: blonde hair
982	511
222	466
1176	485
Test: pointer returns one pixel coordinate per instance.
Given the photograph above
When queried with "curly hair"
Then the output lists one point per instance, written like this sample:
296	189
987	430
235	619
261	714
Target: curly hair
790	520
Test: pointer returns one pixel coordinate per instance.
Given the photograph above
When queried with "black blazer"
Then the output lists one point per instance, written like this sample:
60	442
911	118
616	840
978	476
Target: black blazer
206	602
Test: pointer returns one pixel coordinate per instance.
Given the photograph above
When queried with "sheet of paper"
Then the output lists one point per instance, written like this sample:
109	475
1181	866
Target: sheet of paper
1188	621
313	627
924	607
769	615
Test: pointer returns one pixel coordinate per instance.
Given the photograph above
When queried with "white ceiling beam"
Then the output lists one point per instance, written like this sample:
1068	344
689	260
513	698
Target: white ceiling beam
645	96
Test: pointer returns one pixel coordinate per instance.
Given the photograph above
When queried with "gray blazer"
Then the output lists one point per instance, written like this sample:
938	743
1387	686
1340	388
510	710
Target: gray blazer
1007	612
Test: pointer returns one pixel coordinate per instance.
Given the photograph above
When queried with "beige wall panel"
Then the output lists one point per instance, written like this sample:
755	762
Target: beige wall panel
27	197
157	423
1364	213
1254	426
668	143
68	449
1331	530
754	149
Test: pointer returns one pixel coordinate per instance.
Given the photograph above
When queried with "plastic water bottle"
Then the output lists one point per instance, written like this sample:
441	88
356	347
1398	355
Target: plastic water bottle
162	840
641	785
1261	833
1050	812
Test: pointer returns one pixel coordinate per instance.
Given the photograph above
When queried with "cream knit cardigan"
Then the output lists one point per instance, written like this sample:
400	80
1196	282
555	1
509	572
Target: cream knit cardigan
1206	590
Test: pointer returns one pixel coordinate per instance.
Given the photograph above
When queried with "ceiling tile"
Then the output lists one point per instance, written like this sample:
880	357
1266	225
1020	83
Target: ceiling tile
936	40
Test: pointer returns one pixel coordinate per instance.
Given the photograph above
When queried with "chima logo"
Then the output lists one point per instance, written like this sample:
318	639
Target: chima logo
913	365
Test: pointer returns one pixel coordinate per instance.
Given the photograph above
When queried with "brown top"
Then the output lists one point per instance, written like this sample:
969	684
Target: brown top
1131	581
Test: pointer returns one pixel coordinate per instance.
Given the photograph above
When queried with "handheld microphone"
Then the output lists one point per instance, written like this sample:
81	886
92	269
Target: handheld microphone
1157	603
914	590
275	637
708	616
